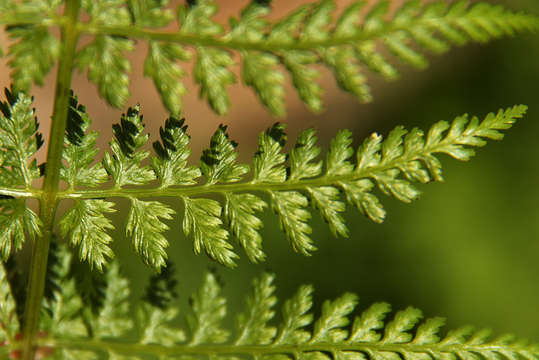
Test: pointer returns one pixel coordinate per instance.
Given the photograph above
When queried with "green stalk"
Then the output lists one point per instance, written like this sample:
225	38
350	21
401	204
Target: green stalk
257	351
49	200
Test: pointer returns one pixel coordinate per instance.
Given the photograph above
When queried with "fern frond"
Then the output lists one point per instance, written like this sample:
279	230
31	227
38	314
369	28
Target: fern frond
335	334
289	185
311	35
298	43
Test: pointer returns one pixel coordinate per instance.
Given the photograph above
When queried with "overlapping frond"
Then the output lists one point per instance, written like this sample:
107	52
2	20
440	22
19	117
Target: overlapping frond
291	185
351	44
339	332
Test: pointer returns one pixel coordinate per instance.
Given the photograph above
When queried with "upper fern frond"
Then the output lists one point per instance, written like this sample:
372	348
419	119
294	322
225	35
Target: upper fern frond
348	45
296	43
71	332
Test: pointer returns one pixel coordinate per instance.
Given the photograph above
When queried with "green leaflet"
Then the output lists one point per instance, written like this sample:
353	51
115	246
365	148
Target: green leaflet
259	69
209	310
149	13
268	163
252	325
104	57
298	43
19	141
170	164
240	215
108	12
212	64
123	165
8	316
86	226
145	227
32	56
114	317
161	66
218	163
295	317
80	150
63	316
16	220
156	328
290	206
302	156
107	67
202	221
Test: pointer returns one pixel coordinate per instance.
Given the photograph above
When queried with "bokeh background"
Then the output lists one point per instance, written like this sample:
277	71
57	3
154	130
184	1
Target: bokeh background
467	250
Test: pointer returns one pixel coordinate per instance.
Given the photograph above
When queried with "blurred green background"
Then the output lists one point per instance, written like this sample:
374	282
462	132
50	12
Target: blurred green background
467	250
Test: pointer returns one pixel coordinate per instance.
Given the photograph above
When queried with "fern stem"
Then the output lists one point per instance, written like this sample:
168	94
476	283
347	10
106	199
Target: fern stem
17	19
235	44
21	193
276	46
302	184
48	204
254	350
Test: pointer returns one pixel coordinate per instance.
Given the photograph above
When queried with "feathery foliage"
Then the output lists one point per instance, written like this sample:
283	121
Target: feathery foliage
288	184
336	333
348	45
65	311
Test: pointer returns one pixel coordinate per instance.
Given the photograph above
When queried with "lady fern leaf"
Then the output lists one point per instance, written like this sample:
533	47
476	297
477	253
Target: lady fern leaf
334	334
289	185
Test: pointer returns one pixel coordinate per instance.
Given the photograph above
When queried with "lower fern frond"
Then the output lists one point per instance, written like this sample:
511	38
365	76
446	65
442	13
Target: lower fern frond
112	333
